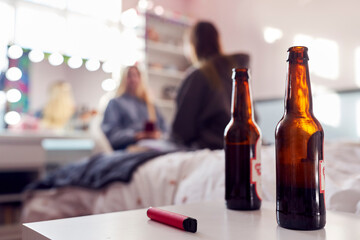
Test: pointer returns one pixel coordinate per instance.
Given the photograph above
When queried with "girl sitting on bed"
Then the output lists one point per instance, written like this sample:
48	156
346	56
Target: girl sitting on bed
204	98
132	116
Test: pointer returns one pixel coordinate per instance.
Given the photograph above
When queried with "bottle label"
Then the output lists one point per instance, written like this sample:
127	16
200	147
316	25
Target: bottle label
322	176
255	169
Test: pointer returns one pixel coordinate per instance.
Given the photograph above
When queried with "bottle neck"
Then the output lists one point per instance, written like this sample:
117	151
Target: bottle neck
241	100
298	99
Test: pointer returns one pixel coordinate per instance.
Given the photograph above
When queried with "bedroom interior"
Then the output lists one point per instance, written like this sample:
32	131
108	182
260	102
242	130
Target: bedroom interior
89	43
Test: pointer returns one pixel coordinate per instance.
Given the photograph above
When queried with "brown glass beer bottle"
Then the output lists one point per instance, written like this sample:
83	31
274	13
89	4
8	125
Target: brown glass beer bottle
299	137
242	149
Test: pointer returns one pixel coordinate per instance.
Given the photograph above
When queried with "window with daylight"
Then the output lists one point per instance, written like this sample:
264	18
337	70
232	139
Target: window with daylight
357	66
327	108
324	55
271	35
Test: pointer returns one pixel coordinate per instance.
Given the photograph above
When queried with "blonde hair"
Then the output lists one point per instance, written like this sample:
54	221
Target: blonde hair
142	91
60	106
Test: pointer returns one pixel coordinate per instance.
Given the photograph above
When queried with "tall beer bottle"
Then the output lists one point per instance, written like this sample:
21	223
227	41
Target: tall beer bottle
299	137
242	149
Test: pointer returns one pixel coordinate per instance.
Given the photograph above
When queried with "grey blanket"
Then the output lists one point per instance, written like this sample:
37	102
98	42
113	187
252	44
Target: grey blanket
97	171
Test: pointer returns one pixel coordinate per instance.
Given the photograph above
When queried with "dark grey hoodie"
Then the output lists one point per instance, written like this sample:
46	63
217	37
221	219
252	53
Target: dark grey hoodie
204	102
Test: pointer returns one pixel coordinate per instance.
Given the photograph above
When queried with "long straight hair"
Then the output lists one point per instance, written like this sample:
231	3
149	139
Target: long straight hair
141	93
60	106
205	41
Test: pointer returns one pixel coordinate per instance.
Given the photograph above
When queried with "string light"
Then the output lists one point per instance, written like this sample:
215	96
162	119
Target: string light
108	66
12	118
13	95
159	10
36	55
75	62
56	59
130	18
15	52
92	65
108	85
13	74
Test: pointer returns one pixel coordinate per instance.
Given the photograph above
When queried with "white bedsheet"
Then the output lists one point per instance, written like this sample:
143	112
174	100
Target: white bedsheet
185	177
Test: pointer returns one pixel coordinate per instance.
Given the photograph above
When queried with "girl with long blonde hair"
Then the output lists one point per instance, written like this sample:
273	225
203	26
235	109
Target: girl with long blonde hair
137	87
130	111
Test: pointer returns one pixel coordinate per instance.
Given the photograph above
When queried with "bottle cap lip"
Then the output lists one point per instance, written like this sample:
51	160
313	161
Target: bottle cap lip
240	73
298	48
298	53
240	70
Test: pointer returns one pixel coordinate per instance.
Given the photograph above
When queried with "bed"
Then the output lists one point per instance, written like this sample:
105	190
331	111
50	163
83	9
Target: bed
192	176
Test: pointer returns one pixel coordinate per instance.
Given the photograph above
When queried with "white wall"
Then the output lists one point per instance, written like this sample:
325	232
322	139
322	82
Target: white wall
241	24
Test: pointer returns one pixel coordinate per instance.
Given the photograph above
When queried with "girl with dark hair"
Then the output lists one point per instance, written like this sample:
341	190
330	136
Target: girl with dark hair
204	98
204	39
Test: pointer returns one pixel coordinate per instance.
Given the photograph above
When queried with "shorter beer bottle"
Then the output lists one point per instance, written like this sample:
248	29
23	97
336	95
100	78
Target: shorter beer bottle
242	149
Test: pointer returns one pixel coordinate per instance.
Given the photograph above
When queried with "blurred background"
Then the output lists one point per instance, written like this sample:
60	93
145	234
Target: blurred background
87	43
83	46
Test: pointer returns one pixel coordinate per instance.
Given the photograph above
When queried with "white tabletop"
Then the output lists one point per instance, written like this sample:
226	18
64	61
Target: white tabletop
214	222
36	136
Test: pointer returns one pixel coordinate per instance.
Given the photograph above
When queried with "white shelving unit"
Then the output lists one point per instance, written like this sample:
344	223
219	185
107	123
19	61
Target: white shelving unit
167	48
165	62
173	74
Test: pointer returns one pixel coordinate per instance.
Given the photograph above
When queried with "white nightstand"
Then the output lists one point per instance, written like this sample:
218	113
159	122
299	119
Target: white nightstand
214	222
